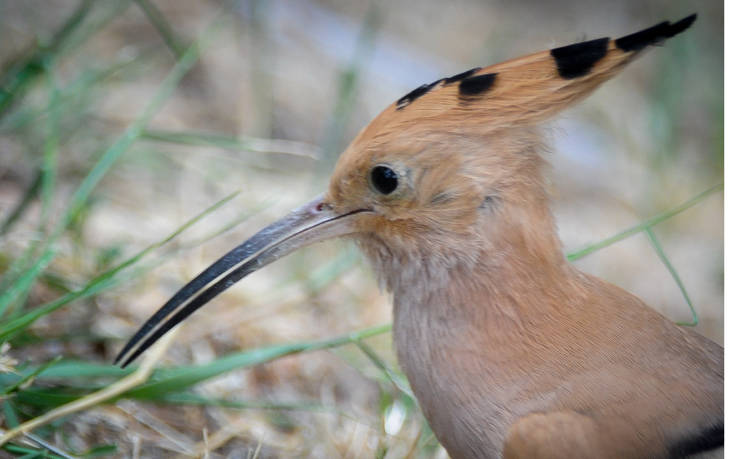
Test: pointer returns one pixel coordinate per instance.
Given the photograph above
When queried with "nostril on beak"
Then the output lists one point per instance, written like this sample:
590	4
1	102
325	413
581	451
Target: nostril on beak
322	206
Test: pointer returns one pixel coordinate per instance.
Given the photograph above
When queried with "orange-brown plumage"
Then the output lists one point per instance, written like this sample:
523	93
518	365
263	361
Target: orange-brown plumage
509	349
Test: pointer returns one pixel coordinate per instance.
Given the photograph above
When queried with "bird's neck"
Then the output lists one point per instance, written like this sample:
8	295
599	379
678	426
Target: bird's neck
514	252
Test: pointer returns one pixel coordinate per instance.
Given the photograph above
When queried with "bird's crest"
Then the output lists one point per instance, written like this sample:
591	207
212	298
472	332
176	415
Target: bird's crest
528	89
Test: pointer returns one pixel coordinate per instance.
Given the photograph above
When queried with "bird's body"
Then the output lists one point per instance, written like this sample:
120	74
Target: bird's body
509	349
592	369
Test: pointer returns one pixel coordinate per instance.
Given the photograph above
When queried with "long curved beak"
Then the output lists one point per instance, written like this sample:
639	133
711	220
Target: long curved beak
313	222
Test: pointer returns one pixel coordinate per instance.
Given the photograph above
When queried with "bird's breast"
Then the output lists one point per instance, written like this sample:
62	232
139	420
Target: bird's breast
461	391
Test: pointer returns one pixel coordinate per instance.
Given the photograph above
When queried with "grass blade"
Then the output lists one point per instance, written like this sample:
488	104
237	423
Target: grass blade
71	369
50	149
31	374
189	398
29	453
655	220
660	252
162	26
224	142
23	204
391	375
178	379
11	416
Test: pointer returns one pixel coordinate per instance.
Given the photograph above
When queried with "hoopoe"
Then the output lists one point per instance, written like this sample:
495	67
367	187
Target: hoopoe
509	349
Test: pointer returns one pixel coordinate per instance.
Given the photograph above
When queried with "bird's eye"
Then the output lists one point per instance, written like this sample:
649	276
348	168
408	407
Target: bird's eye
384	179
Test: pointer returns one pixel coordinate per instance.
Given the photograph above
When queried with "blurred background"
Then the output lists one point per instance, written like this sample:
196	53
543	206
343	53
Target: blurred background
116	134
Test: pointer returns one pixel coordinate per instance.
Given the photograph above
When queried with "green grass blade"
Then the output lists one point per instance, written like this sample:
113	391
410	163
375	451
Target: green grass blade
23	204
101	281
50	149
178	379
30	375
325	275
254	144
20	264
23	283
655	220
76	369
662	255
101	450
162	26
48	446
394	378
50	397
28	453
11	416
189	398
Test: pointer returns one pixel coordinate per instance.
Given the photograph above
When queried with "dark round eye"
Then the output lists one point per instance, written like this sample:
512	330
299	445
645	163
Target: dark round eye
384	179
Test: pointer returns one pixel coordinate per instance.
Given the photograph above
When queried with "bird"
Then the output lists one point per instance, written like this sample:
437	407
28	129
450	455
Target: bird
510	350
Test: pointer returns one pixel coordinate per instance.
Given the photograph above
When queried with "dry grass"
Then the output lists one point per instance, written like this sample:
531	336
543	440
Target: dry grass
89	179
